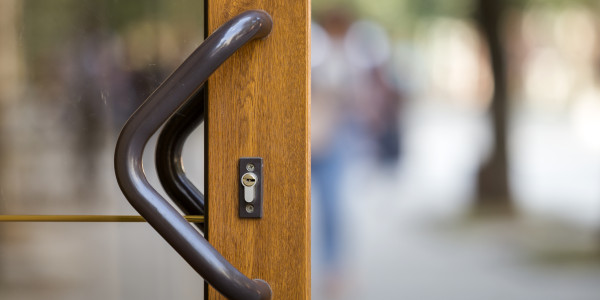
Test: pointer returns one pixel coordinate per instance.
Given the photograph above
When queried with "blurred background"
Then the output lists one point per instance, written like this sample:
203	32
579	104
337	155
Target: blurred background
455	147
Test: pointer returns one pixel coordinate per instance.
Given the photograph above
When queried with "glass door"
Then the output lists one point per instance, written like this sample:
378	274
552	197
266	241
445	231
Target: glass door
71	74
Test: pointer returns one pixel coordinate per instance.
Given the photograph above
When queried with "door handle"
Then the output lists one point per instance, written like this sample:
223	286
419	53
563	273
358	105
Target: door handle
168	159
174	92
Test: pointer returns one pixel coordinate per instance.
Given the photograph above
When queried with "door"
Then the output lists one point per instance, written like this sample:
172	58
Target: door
73	73
258	107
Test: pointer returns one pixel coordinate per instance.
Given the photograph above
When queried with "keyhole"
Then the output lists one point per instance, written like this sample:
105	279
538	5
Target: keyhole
249	179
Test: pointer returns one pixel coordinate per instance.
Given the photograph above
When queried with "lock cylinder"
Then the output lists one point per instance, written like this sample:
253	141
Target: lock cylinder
249	181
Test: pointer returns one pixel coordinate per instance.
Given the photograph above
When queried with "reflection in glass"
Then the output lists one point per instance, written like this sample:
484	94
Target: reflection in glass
71	73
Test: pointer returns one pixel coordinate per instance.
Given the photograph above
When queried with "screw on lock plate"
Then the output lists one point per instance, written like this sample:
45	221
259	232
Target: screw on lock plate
251	187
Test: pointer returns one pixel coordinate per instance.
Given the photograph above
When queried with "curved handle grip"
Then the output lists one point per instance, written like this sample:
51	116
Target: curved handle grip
169	164
176	90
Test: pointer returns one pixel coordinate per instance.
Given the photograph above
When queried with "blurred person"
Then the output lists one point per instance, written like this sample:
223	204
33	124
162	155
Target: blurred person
102	90
354	117
327	139
84	66
375	101
379	114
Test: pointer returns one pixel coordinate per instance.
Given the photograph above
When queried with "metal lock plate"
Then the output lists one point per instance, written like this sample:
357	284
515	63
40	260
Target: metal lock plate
251	187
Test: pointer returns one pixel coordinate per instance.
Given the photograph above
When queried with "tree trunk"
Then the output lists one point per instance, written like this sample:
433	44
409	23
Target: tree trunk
493	193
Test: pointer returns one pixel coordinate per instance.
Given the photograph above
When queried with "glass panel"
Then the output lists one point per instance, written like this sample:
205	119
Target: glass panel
91	261
71	72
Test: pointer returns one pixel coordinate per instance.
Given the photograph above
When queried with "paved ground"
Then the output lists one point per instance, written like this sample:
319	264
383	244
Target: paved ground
408	233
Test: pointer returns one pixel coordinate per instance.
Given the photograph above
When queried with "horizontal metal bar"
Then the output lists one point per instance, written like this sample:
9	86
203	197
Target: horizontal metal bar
85	218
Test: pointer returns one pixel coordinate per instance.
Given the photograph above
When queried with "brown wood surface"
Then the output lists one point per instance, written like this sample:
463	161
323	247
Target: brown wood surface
259	105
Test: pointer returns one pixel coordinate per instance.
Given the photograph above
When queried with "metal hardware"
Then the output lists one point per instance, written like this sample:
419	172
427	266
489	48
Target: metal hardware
169	163
85	218
249	182
251	187
174	92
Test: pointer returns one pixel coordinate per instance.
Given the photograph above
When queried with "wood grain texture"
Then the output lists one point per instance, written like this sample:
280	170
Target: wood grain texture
259	105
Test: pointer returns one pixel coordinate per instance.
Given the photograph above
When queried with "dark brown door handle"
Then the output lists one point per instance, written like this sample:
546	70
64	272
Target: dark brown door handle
168	157
174	92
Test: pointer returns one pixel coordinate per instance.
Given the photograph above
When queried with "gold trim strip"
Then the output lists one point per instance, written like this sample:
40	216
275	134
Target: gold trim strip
84	218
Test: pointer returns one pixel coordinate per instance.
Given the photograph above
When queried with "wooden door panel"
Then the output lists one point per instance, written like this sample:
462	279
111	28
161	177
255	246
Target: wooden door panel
259	107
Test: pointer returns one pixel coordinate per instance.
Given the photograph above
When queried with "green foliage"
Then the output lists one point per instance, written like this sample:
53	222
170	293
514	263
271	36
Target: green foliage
401	15
48	25
398	16
454	8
